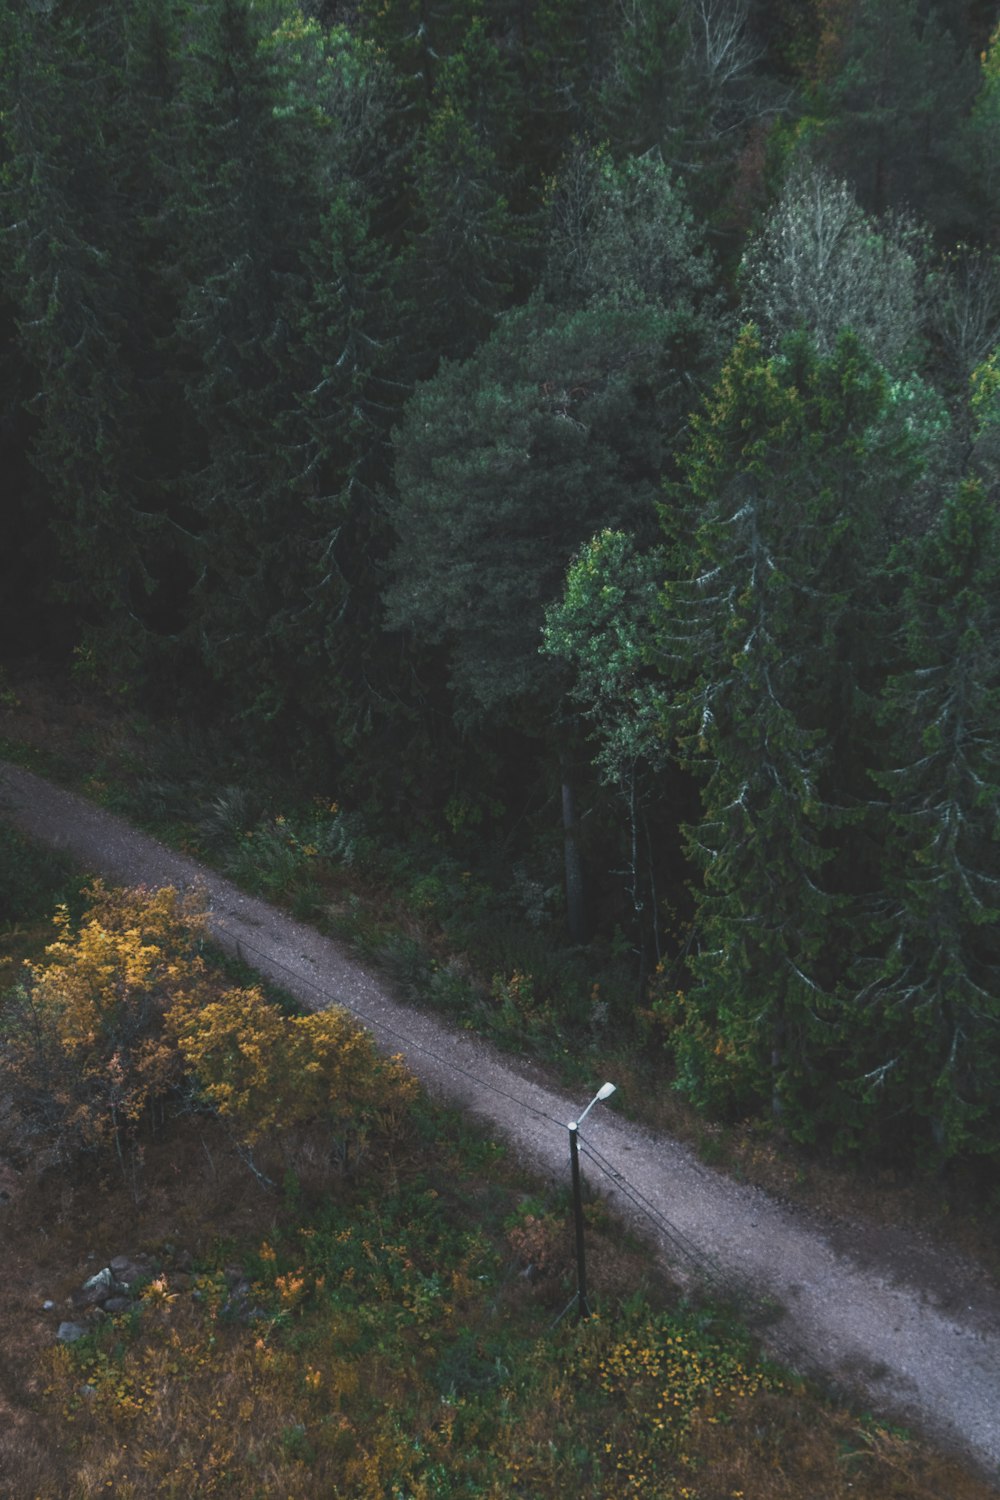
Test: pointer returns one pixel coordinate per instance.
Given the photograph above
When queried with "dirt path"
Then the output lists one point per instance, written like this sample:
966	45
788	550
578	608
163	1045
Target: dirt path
887	1315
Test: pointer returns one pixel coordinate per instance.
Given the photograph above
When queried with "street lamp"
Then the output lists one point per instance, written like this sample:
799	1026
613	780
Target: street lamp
604	1092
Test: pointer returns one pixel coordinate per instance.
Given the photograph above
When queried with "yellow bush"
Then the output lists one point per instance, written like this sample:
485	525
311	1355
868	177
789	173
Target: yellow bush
84	1045
269	1072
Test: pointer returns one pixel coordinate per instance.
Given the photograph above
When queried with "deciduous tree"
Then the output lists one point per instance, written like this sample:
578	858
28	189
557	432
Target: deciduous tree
821	265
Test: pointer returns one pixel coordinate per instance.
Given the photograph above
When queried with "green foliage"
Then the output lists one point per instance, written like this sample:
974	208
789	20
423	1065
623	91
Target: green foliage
648	96
934	1007
603	628
964	312
681	81
283	857
626	229
895	92
769	633
32	877
466	248
505	464
981	132
79	260
316	324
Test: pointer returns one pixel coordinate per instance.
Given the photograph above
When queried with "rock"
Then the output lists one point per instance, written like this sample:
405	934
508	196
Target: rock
112	1282
103	1281
48	1305
96	1288
117	1304
128	1269
68	1333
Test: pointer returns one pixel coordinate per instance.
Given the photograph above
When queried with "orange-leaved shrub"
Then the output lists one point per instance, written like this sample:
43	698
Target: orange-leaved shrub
84	1053
270	1073
125	1012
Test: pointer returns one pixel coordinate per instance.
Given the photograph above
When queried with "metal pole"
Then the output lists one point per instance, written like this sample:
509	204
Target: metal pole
582	1309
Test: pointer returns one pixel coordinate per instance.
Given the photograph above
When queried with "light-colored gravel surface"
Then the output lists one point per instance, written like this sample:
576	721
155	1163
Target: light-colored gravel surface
885	1315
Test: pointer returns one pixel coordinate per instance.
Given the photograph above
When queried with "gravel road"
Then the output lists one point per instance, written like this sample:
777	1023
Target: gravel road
884	1315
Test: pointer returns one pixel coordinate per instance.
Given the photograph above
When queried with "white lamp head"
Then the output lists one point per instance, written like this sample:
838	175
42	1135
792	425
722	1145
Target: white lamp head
602	1093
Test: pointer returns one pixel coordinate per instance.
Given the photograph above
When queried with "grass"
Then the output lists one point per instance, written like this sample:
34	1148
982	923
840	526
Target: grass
389	1332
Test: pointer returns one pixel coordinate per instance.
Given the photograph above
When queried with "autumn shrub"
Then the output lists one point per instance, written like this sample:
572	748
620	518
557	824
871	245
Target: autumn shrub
83	1048
541	1242
269	1073
124	1012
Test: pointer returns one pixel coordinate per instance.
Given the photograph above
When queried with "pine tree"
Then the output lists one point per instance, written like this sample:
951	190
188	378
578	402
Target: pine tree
505	465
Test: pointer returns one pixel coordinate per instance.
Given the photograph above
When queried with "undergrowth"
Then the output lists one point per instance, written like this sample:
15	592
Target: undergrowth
479	939
394	1325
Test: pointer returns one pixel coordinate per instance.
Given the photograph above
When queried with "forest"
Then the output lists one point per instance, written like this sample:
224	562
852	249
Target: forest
567	434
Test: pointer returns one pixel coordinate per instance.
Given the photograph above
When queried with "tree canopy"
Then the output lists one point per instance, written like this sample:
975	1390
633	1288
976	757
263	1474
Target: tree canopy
372	387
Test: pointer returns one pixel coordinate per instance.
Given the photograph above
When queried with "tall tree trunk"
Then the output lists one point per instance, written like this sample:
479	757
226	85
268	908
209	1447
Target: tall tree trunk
576	915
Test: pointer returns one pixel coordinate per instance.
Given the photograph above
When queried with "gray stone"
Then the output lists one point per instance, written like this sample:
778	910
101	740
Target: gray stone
129	1269
103	1282
68	1333
97	1289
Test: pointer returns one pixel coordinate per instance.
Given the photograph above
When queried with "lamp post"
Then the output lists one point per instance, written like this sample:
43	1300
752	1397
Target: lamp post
582	1309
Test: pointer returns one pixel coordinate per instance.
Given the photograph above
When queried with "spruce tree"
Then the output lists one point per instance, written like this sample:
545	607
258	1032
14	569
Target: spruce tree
281	335
778	540
465	247
76	211
897	87
933	1012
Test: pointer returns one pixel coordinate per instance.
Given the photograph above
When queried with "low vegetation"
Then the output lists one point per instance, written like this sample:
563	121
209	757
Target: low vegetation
456	927
349	1292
